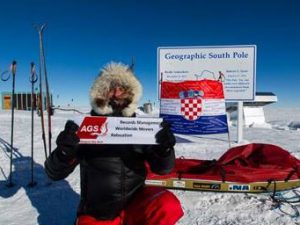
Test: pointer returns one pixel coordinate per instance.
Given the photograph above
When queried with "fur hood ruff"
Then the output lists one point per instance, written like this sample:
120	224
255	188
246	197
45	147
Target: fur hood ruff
115	73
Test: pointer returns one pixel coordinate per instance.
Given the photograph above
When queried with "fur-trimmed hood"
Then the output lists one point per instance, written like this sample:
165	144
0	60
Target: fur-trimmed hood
122	75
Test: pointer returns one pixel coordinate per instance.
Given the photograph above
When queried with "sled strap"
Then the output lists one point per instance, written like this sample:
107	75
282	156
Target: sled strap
274	189
222	173
290	175
180	173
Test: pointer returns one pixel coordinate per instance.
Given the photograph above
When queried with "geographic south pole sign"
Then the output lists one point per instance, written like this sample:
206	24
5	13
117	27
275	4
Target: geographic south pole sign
235	66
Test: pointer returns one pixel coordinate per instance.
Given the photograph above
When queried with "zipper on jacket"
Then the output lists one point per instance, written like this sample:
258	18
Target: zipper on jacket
123	190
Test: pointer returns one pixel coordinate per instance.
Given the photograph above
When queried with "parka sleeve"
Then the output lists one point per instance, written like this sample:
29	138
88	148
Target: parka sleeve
58	166
161	161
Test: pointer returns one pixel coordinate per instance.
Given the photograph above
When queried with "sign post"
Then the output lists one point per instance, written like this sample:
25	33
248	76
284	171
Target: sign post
240	122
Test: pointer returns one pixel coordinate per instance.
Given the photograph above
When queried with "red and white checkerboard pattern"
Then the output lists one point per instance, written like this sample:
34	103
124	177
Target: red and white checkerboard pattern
191	108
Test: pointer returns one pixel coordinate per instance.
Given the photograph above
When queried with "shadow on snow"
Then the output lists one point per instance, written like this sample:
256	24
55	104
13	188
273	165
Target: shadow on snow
56	203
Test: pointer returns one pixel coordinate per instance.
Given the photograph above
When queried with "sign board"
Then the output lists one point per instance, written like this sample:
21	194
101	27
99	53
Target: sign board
118	130
235	66
194	107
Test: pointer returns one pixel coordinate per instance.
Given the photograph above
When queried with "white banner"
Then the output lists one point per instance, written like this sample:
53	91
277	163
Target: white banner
118	130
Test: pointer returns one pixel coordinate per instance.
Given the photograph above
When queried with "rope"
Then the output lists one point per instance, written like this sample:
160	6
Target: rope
280	201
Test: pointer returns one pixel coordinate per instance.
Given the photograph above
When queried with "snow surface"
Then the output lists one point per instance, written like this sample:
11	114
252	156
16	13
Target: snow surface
55	203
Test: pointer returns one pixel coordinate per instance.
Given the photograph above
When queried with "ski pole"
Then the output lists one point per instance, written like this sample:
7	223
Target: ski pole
13	69
33	79
40	32
48	97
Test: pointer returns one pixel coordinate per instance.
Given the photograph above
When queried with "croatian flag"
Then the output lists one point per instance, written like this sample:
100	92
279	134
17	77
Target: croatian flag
194	107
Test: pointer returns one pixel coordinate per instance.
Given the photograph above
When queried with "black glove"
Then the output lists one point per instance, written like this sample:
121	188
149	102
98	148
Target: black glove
165	137
67	140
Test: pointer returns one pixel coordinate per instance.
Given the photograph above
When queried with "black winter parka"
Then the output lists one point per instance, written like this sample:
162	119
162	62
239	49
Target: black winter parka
110	174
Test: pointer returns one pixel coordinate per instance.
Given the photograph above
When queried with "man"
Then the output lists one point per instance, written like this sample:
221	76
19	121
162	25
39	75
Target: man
112	176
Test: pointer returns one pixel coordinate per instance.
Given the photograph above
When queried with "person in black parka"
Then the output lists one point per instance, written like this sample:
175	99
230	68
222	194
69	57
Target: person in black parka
113	176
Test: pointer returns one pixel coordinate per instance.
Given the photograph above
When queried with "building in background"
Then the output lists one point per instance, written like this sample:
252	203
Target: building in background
253	110
22	100
147	107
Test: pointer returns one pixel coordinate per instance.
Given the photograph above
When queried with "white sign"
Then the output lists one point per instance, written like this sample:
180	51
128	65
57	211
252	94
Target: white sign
118	130
233	65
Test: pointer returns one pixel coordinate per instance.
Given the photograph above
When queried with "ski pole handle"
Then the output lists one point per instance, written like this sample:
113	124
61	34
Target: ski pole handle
13	67
33	76
5	75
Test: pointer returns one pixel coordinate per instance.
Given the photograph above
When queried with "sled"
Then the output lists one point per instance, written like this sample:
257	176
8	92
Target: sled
252	168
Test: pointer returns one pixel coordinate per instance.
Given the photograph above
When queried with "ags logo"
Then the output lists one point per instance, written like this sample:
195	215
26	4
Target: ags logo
92	127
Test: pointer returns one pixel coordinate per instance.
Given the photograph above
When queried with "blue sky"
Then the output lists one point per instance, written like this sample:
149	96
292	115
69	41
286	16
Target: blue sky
82	36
